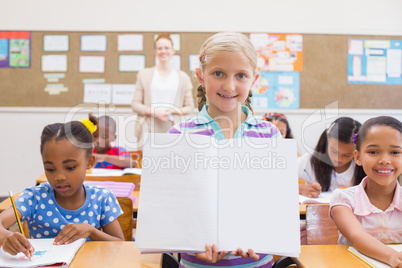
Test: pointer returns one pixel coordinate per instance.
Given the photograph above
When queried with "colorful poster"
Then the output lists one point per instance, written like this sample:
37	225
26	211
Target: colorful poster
15	49
276	90
278	52
374	61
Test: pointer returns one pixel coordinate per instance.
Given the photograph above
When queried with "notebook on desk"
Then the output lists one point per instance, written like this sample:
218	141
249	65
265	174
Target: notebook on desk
323	198
370	261
46	254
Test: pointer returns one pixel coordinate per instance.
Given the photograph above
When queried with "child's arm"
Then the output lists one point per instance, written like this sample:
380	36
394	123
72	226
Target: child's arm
13	243
121	161
310	189
72	232
354	232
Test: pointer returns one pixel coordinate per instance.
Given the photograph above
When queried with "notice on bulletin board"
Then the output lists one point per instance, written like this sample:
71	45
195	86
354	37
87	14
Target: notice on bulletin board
374	61
15	49
276	90
278	52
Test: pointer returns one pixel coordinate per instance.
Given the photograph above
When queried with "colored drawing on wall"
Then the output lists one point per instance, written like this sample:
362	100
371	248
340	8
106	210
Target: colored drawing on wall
15	49
278	52
276	90
374	61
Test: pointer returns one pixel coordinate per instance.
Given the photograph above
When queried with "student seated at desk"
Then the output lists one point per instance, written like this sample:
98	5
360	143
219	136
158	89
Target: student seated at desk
332	165
108	156
369	215
64	208
281	122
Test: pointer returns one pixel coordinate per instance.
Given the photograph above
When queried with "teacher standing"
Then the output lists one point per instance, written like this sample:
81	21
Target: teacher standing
162	93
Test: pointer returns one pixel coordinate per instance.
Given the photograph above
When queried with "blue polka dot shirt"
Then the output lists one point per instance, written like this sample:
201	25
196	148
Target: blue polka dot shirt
46	218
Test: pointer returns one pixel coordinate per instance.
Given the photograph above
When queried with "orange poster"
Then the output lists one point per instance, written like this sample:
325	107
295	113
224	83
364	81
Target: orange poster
278	52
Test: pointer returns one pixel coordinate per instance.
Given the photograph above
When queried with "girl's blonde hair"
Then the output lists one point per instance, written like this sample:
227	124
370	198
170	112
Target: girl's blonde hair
226	42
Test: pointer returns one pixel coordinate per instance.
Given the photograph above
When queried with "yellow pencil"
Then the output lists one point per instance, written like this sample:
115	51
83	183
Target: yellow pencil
18	218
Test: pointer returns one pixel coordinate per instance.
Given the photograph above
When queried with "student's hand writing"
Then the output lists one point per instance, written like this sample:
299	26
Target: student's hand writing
163	115
310	190
246	254
16	243
72	232
396	260
211	255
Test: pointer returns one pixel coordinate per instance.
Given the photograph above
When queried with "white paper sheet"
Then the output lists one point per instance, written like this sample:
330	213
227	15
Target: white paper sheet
55	43
394	62
259	40
355	47
123	93
376	69
93	42
45	253
54	63
97	93
130	42
131	63
92	64
193	62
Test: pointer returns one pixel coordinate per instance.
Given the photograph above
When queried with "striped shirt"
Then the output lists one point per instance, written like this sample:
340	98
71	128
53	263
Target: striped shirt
204	124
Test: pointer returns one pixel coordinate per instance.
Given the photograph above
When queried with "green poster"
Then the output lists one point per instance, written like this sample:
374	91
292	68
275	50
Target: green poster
19	52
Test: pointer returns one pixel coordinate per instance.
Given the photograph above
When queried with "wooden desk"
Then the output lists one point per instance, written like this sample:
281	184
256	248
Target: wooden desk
113	255
328	256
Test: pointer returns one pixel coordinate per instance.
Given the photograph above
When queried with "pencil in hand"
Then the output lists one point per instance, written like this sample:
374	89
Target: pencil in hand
19	222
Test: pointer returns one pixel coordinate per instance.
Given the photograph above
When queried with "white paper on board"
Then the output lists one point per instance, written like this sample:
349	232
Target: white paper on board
131	63
92	64
93	43
123	94
57	43
97	93
54	63
130	42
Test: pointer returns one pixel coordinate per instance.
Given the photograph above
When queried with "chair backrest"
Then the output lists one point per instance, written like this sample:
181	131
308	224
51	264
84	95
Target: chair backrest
321	229
169	261
136	156
126	219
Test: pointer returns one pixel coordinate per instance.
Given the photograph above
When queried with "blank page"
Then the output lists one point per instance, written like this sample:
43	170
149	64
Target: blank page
258	197
178	199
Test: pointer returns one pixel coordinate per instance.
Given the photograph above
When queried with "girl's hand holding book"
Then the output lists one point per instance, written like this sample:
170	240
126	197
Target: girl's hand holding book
211	255
246	254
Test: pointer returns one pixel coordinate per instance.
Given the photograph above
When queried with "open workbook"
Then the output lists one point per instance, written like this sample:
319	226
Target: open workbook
323	198
373	262
233	193
45	254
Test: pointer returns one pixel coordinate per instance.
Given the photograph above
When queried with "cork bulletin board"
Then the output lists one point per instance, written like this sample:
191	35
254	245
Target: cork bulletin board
323	79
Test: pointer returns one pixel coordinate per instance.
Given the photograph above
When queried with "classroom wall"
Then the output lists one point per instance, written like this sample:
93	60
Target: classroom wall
21	162
369	17
21	127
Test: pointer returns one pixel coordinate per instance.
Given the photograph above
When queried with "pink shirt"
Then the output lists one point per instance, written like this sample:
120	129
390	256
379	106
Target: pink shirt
385	226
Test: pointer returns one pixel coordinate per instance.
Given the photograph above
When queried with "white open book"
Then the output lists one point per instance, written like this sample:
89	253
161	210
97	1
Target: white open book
45	254
370	261
323	198
233	193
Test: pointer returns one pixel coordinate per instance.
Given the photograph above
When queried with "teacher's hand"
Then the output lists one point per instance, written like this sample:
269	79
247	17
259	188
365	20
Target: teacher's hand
163	115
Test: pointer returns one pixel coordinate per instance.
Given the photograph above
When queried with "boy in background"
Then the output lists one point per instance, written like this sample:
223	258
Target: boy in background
108	156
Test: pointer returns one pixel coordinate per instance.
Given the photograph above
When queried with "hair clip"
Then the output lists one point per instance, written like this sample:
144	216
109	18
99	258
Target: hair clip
355	138
89	125
203	55
281	116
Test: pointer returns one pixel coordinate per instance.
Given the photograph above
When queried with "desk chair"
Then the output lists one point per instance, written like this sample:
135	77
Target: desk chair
136	156
126	219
